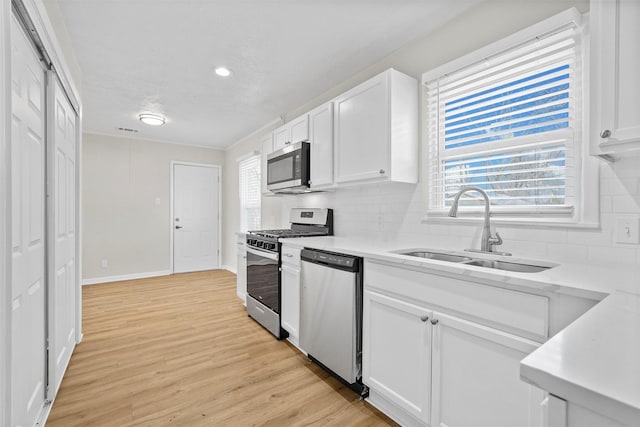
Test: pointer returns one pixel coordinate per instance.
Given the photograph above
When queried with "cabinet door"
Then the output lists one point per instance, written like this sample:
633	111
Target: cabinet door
266	149
241	278
362	135
476	377
321	137
290	294
616	87
299	129
396	354
281	137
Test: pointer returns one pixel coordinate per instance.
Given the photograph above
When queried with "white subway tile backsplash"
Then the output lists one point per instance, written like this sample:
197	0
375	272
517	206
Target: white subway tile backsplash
590	237
616	186
567	253
554	235
610	256
626	203
395	212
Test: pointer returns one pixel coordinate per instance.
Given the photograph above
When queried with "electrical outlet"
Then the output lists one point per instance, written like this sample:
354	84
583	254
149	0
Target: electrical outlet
104	263
628	229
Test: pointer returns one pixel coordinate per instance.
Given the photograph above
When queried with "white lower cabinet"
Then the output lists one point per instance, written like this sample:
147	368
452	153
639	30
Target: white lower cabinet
290	294
425	367
476	377
396	355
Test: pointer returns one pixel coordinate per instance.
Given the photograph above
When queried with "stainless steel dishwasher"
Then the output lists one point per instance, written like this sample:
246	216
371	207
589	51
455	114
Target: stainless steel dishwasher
331	313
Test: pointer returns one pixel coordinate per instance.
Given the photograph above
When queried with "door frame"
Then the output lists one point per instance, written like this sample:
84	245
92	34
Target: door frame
171	197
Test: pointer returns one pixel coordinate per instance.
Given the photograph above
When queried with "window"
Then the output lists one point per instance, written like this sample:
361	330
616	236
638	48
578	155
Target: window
249	185
508	119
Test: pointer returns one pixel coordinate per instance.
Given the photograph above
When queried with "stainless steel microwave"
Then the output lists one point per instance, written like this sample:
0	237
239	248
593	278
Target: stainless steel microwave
288	169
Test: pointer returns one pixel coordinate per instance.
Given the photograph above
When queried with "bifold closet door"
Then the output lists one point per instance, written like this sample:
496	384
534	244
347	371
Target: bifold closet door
28	247
63	283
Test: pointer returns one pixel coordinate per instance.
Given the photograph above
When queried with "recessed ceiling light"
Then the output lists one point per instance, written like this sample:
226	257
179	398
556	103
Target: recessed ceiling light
152	119
223	71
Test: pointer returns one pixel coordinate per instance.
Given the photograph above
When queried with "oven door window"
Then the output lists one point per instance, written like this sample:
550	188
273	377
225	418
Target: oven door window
284	168
263	280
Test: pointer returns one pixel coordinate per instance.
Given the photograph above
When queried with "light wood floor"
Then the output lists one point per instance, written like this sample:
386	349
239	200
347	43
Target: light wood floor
181	351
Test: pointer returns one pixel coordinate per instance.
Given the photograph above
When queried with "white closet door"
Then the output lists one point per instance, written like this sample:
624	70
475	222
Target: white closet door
62	233
28	231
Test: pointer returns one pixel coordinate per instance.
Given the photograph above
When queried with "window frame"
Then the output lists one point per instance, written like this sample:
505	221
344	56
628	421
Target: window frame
243	225
585	212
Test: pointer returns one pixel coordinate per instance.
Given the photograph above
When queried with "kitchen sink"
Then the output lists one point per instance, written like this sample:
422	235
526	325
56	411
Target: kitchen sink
518	267
508	266
437	256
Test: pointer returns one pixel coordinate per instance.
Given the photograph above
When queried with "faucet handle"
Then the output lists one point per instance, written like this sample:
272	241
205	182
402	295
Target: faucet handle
495	241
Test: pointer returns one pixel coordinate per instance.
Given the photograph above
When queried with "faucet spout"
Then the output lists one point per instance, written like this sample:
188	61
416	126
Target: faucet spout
487	241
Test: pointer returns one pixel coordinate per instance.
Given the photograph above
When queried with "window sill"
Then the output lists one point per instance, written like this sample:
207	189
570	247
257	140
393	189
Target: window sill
477	218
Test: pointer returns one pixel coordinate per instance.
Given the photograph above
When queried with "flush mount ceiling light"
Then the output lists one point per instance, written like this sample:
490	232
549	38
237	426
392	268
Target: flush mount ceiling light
152	119
223	71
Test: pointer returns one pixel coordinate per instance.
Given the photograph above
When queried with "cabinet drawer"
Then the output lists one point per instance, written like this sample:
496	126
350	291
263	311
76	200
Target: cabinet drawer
516	312
291	255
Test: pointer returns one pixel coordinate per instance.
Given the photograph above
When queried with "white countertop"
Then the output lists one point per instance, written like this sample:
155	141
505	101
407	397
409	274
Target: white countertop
578	279
594	362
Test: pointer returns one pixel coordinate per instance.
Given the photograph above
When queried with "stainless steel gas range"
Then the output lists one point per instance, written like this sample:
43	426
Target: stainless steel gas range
263	264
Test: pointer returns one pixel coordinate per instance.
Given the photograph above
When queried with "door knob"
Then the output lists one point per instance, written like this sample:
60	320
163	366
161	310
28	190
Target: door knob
178	227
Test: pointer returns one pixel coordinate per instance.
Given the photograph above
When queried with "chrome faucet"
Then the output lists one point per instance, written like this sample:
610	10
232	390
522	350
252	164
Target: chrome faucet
488	242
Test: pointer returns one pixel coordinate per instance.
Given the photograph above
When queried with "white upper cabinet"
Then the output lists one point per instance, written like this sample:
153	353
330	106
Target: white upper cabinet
295	131
615	86
376	130
266	148
321	138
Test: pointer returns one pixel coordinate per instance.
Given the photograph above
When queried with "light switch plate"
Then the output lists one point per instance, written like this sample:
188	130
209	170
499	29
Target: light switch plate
628	229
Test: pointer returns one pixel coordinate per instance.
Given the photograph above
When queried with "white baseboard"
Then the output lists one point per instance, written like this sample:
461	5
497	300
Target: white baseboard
229	268
97	280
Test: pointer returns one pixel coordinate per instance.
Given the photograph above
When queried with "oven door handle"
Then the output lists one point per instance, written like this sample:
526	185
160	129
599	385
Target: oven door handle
257	252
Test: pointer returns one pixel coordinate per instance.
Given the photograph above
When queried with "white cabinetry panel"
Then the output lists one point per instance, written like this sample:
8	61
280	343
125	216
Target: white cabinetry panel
397	352
615	87
376	130
476	377
321	138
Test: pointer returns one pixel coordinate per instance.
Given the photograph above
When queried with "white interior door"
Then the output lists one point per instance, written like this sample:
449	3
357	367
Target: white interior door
63	283
196	206
28	348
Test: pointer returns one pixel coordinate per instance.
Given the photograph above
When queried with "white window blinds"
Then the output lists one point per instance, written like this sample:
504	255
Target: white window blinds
249	185
509	124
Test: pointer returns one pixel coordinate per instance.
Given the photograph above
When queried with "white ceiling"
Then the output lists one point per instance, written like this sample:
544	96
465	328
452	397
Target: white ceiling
158	56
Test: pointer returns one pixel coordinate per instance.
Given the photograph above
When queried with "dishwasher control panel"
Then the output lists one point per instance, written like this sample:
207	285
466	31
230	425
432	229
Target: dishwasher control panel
331	259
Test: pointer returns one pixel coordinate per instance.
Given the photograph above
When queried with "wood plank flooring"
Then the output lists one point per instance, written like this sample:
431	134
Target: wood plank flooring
180	351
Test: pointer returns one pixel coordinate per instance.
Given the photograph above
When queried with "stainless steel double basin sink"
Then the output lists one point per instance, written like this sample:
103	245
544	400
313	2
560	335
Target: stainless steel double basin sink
514	266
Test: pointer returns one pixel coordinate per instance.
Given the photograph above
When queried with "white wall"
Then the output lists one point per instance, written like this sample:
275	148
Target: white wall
122	222
358	210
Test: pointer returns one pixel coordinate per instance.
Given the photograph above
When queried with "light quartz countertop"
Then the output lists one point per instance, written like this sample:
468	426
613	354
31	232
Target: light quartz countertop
594	362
